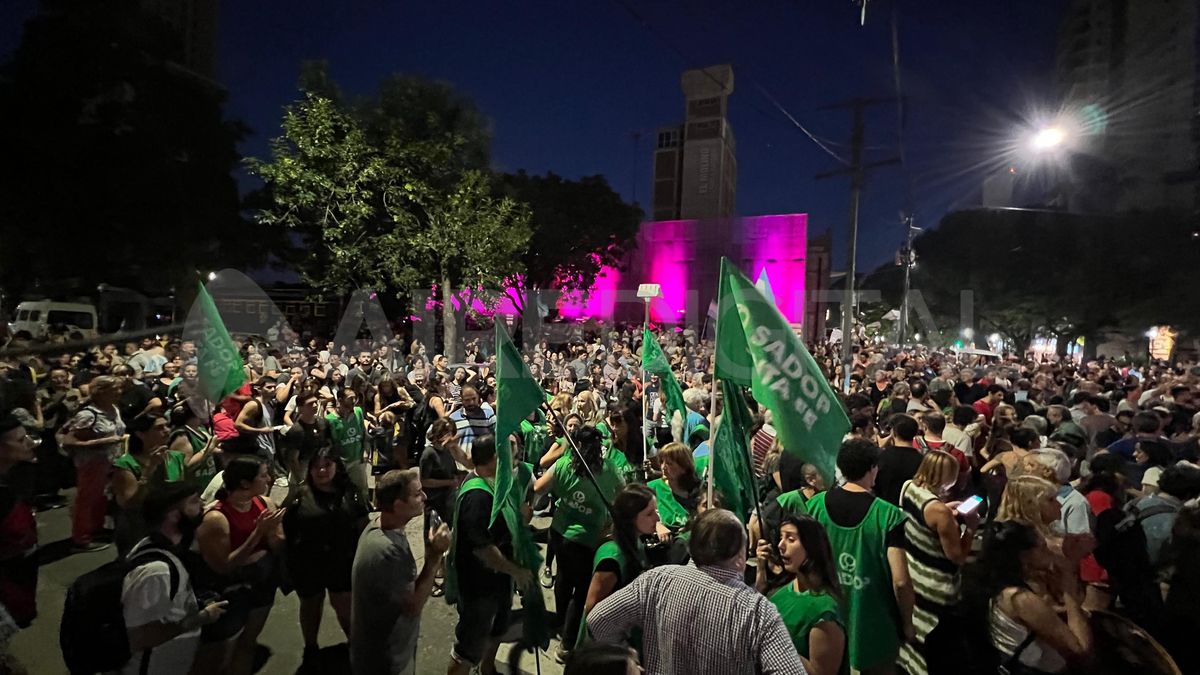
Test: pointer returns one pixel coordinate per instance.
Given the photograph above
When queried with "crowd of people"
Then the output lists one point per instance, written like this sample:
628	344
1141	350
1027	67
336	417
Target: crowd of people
980	514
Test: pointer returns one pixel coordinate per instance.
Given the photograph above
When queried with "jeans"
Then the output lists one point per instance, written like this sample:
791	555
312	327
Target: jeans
92	472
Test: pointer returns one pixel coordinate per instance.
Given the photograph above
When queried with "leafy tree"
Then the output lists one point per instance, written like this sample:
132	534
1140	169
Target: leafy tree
117	161
578	226
392	193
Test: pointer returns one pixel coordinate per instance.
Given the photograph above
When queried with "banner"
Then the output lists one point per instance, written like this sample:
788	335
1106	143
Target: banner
217	357
517	395
732	471
654	361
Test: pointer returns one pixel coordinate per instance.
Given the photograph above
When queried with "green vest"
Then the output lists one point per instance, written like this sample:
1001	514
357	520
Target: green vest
801	612
348	437
792	504
609	550
202	474
532	438
450	583
670	511
869	604
174	465
581	515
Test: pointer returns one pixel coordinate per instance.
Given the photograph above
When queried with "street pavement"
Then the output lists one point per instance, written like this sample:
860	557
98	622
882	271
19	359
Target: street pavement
36	647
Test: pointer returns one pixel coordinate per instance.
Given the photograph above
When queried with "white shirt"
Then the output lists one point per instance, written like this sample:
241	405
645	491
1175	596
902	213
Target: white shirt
146	597
959	439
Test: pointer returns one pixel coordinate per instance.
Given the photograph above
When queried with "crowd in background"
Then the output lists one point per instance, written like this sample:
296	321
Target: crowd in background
987	507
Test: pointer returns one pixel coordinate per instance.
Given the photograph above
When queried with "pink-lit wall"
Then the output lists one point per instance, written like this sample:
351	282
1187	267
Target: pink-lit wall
683	257
778	243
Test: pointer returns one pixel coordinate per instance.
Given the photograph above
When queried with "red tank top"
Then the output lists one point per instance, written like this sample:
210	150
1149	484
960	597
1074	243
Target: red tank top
241	523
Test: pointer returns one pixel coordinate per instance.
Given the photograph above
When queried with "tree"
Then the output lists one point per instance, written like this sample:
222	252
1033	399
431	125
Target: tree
117	160
393	193
1060	274
579	227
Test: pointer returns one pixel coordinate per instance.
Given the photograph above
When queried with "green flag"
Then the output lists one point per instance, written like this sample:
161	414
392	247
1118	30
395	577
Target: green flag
654	361
732	472
757	348
217	357
517	395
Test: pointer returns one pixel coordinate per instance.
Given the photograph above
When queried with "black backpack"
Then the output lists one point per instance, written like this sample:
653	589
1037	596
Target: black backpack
92	635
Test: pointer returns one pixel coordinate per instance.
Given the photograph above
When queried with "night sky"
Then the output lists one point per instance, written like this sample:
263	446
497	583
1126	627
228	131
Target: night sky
569	85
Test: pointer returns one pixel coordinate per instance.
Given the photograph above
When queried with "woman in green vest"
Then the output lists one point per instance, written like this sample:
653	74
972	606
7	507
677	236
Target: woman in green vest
348	427
196	442
622	556
678	491
579	521
560	446
810	603
147	462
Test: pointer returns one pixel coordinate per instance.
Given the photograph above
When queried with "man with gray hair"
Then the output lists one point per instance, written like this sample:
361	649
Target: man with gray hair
1076	525
701	617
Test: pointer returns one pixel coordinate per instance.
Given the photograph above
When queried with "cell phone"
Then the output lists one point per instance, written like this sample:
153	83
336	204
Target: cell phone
1020	395
435	521
971	505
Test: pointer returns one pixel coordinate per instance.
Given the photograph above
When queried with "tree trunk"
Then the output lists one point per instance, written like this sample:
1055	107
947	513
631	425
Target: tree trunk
449	323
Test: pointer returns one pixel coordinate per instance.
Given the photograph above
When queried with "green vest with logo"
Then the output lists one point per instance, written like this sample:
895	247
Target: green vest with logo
348	436
869	603
581	514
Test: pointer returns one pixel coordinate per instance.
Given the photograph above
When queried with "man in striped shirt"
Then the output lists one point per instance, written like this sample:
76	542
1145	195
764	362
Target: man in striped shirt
474	419
701	618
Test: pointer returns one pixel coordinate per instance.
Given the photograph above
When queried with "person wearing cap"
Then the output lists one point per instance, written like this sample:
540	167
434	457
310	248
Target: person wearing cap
18	529
164	626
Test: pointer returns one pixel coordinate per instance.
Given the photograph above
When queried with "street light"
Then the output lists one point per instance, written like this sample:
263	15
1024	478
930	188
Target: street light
1048	138
212	276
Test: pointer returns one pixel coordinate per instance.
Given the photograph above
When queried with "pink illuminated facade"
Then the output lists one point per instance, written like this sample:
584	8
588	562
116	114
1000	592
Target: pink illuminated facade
683	257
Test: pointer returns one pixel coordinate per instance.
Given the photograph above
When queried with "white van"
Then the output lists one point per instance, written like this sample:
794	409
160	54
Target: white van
34	319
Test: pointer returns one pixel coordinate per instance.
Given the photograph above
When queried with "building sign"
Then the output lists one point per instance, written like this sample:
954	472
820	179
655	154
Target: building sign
1162	342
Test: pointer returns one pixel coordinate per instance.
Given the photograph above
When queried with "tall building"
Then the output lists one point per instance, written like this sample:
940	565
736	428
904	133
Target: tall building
196	23
1127	70
695	165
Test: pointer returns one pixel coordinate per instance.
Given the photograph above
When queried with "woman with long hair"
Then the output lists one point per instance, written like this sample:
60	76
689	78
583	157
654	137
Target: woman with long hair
809	603
190	435
1030	500
578	522
937	544
589	407
437	405
678	491
391	404
622	556
321	525
1016	624
239	539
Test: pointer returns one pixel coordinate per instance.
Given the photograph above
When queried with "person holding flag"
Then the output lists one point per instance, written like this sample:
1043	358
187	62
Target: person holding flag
654	362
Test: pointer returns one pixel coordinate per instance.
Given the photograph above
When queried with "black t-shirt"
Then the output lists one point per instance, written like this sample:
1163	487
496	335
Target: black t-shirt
305	439
438	465
847	509
473	533
896	465
134	401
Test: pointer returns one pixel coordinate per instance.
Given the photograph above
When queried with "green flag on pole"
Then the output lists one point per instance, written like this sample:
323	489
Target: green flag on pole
654	361
517	395
764	285
217	357
757	348
732	471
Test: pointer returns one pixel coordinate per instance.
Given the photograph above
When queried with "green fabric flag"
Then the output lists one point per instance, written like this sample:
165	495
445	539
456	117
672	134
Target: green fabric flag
517	395
757	348
732	471
217	357
654	361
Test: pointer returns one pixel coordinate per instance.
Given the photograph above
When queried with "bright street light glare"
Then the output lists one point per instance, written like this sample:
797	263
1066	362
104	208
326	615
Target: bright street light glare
212	276
1048	138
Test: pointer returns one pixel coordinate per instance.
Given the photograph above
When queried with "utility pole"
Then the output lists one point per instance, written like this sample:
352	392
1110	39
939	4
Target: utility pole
909	259
858	174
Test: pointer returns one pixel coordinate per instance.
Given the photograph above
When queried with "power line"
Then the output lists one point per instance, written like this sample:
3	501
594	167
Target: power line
684	57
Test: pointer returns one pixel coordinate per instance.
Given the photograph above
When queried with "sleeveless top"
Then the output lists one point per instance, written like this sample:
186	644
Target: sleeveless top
241	523
935	577
1007	634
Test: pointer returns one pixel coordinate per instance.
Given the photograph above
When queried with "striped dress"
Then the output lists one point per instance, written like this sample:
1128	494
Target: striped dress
935	577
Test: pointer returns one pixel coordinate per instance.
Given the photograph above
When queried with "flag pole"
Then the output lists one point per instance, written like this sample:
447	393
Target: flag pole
587	469
712	436
645	385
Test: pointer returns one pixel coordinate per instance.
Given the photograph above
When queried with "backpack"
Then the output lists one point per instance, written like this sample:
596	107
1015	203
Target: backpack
92	635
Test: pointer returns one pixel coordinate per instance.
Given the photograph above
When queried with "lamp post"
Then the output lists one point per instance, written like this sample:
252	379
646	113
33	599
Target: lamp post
647	292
